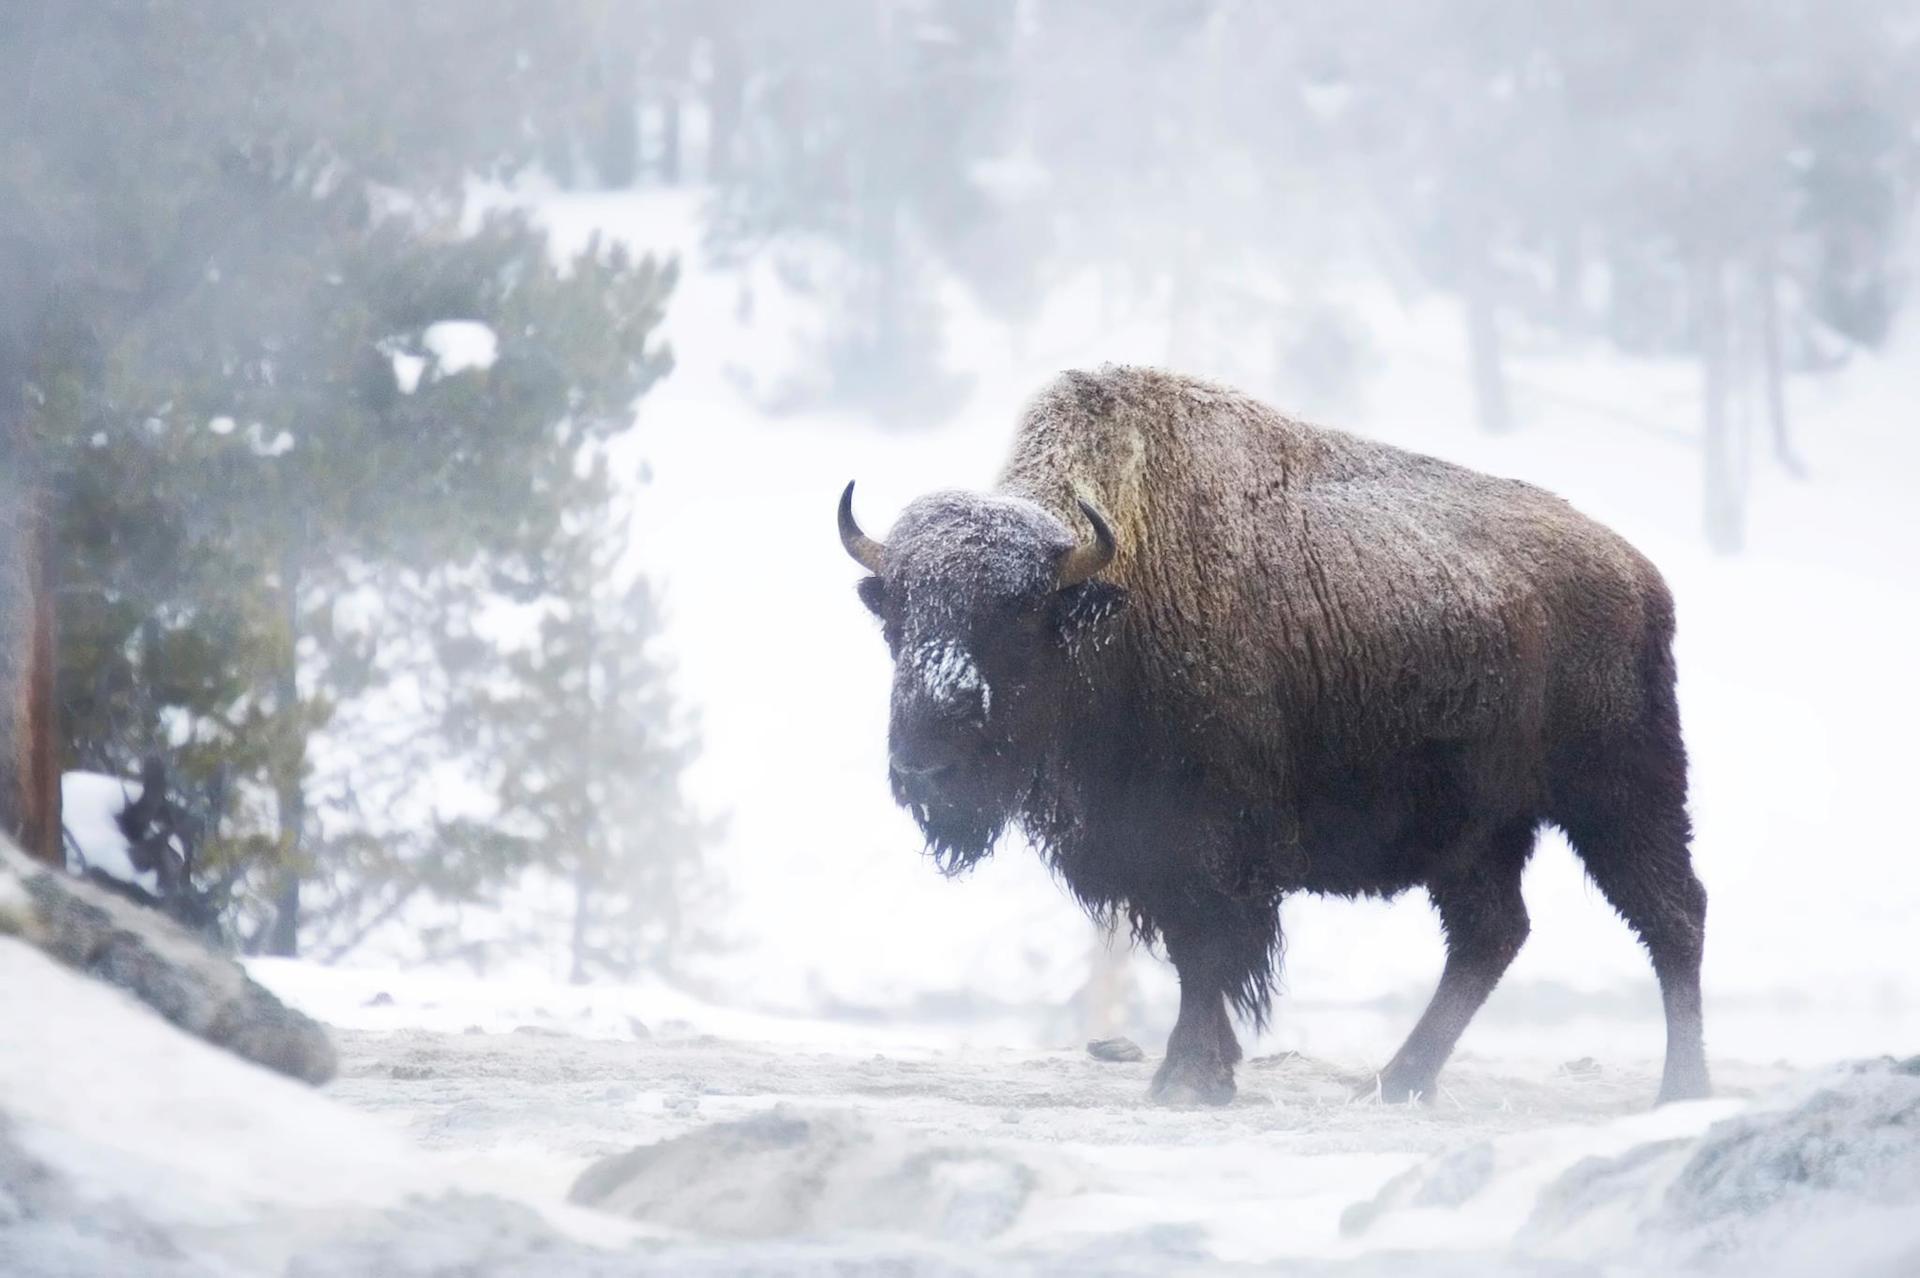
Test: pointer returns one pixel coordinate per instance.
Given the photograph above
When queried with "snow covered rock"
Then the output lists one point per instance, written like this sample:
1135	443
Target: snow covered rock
1115	1049
1448	1180
1482	1194
1826	1181
198	989
1821	1179
791	1172
128	1147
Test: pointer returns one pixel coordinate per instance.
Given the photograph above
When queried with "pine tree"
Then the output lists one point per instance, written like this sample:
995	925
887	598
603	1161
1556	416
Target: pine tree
206	369
284	468
588	750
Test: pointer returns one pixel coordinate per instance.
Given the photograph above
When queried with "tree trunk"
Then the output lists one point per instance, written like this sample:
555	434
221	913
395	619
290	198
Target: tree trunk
1483	353
557	156
283	935
29	758
619	149
670	140
587	844
726	101
1180	314
582	896
1723	492
42	835
1773	370
1567	267
29	772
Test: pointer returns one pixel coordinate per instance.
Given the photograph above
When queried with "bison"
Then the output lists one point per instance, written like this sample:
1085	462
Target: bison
1204	655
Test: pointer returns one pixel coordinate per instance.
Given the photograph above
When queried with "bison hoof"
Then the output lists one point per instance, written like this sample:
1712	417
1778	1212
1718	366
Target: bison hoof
1188	1084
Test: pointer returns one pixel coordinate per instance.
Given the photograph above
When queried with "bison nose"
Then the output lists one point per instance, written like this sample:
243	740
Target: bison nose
917	776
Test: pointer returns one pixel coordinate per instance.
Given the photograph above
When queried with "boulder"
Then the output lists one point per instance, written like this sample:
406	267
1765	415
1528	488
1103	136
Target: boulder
176	973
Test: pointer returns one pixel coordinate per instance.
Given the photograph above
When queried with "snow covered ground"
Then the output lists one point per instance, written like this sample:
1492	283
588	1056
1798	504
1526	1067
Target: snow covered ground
550	1076
794	1147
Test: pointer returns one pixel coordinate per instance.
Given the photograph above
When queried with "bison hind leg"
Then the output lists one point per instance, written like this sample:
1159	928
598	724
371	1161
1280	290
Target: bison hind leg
1485	920
1627	820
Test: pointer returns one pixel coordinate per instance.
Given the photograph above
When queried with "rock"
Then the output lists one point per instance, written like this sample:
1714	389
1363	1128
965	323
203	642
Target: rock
173	971
1839	1172
791	1172
639	1029
53	1225
1447	1181
1824	1180
1585	1067
129	1147
1115	1049
382	999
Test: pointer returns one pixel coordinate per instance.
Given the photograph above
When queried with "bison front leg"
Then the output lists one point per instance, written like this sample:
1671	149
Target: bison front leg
1216	956
1201	1052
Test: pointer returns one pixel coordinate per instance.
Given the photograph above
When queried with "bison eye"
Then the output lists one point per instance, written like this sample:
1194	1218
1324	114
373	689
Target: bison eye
873	593
1087	606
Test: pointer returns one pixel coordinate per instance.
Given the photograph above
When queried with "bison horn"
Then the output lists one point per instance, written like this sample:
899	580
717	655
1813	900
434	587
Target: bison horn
866	552
1083	561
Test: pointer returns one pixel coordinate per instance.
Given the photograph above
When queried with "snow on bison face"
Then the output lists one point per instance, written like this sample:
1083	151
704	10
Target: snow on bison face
979	597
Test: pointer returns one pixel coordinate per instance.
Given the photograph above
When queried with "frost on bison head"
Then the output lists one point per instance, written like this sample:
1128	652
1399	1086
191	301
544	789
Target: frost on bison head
982	600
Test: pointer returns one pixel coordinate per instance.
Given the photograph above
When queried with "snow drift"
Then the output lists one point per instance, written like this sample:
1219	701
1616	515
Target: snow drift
787	1171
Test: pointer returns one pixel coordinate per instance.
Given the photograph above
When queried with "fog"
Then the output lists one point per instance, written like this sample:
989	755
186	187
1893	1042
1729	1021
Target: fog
420	427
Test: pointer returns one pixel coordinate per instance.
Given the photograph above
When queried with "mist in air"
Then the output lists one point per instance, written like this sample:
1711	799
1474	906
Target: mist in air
460	807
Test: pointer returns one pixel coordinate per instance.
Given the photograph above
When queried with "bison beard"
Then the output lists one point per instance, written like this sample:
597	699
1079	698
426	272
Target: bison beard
959	836
1205	655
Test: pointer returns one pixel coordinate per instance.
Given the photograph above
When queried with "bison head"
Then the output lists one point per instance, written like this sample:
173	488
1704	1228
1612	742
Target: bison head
982	600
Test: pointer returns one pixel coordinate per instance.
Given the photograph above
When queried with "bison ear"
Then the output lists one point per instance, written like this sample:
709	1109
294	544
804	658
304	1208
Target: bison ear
873	593
1080	609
